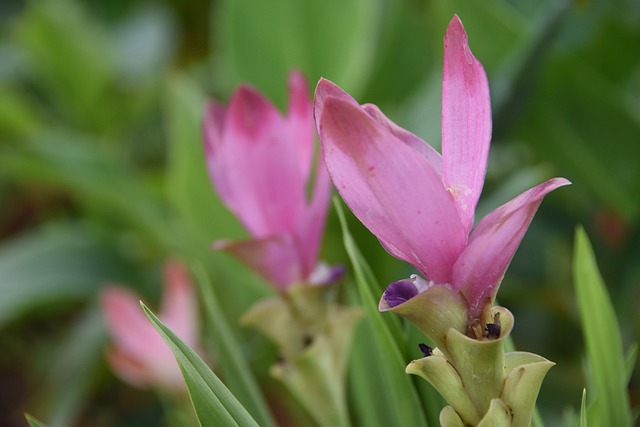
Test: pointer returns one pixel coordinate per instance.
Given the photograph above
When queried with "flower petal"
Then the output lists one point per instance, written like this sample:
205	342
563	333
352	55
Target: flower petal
407	137
131	331
311	225
466	122
391	188
212	129
128	369
481	266
275	258
256	142
300	118
325	89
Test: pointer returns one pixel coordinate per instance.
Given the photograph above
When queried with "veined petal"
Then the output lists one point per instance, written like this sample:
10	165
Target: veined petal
264	181
274	258
391	188
466	122
407	137
481	266
300	118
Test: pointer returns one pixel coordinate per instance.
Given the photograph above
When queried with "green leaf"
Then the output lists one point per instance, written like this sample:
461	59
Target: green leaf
74	364
33	422
630	360
69	55
96	176
231	360
367	406
213	402
402	396
51	266
583	409
260	41
602	337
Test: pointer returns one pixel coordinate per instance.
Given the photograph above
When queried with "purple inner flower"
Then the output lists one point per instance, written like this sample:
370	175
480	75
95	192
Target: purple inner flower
399	292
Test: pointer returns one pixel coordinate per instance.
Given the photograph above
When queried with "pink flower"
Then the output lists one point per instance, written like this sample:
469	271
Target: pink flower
420	204
260	163
139	355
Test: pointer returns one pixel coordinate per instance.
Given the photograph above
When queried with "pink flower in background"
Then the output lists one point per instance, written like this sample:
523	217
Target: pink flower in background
420	204
261	163
139	356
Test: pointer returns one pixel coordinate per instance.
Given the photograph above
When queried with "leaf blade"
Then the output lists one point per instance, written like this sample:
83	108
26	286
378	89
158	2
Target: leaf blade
213	402
602	337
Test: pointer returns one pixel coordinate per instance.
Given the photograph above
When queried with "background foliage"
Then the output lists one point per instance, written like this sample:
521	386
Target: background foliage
102	176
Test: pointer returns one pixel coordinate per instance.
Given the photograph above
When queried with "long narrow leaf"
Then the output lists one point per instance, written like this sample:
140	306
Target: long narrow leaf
213	402
402	396
33	422
602	338
583	409
630	360
232	362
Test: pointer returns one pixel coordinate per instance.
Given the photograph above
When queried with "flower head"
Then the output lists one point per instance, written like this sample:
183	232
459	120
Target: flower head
139	356
420	204
260	163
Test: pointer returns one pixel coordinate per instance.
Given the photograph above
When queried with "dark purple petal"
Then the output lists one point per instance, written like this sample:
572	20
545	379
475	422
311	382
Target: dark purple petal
399	292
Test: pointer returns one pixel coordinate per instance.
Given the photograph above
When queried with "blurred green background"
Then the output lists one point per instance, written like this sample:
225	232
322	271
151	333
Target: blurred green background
102	174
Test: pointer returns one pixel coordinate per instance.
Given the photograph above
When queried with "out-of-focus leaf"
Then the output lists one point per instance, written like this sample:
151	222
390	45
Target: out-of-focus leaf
602	338
583	115
143	43
401	395
261	40
630	360
74	366
231	361
94	174
18	115
47	266
405	54
33	422
68	53
213	402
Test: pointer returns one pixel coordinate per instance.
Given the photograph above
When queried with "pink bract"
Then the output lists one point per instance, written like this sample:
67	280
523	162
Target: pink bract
139	356
261	163
420	204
